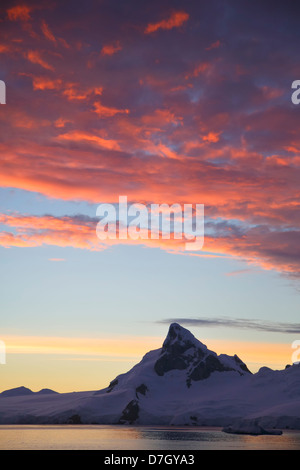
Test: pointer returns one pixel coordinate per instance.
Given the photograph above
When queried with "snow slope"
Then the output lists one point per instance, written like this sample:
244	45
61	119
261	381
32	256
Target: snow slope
183	382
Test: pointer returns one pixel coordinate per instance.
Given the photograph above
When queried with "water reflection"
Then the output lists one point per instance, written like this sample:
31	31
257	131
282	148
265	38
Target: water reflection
79	437
180	435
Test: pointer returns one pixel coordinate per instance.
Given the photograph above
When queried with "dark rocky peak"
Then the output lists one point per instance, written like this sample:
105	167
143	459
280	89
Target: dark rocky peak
179	340
182	351
179	350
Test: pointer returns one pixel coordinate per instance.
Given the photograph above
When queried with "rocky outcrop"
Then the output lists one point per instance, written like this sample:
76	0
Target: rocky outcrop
131	413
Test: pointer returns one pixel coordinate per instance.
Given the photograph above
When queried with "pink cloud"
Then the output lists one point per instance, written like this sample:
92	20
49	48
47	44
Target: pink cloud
175	20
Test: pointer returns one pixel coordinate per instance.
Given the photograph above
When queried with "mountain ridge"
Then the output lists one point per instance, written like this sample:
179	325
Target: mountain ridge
181	383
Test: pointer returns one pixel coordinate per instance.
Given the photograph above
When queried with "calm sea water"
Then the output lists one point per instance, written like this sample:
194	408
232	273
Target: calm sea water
15	437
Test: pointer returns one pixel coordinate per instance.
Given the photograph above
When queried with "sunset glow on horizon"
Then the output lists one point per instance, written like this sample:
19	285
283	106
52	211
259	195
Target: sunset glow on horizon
92	354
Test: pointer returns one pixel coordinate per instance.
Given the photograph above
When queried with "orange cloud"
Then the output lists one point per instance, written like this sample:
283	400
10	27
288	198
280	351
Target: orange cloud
163	151
33	231
75	92
159	118
105	111
47	32
258	247
77	136
19	13
44	83
166	146
199	69
61	122
110	49
64	43
35	58
4	48
212	137
176	20
214	45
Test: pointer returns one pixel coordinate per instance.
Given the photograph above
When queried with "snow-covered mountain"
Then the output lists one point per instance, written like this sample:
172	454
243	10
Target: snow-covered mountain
183	382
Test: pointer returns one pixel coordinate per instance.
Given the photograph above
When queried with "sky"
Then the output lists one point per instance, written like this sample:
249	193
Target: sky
165	102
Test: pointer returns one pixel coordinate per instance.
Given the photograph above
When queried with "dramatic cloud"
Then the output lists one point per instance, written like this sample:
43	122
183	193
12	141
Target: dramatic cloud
162	105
